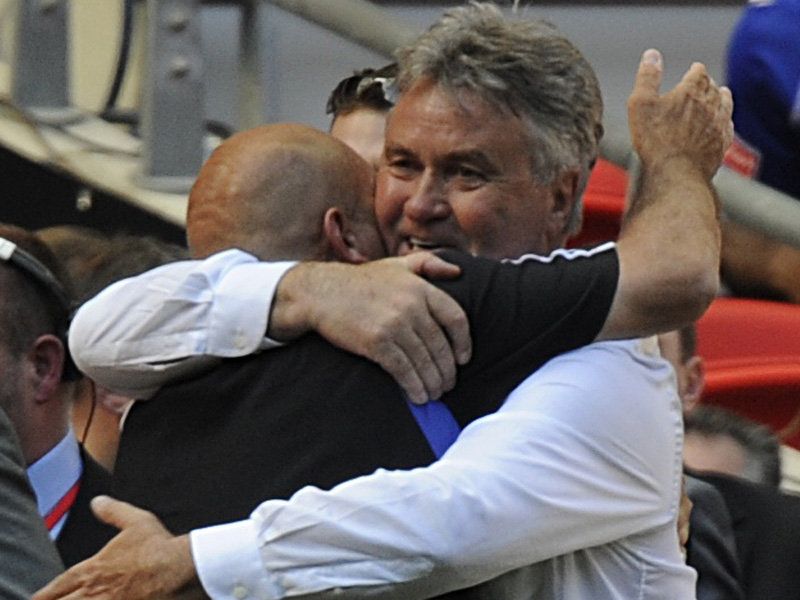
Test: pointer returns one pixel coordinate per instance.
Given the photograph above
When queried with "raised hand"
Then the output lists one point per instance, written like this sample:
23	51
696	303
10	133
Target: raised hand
691	121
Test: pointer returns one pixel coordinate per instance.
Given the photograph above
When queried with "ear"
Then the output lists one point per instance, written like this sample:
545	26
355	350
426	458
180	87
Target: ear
564	190
694	370
47	357
341	237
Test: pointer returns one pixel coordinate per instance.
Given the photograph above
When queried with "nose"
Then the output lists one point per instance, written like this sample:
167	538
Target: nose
428	202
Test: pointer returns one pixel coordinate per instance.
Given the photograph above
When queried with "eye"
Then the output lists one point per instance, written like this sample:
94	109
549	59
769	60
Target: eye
467	177
402	166
469	173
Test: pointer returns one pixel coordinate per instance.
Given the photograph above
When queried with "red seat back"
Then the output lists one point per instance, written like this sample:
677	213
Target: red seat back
740	327
603	204
751	350
763	389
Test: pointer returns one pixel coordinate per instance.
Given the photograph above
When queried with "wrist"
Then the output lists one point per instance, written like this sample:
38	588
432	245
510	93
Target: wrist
675	166
185	574
292	311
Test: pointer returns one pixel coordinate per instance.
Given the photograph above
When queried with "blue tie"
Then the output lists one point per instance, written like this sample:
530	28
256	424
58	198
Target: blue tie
437	423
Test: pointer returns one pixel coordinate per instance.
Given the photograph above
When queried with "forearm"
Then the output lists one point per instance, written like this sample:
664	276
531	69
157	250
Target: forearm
496	501
669	243
673	220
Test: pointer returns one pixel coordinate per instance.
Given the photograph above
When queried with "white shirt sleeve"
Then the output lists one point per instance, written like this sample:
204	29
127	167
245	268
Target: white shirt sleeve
170	322
581	454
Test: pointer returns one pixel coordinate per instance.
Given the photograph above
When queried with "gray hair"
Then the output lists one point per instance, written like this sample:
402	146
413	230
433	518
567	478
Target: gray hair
524	66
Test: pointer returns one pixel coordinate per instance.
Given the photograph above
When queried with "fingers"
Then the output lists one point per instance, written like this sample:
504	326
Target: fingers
60	587
446	312
431	266
650	73
80	581
697	81
726	114
424	343
396	362
439	342
386	313
117	513
449	315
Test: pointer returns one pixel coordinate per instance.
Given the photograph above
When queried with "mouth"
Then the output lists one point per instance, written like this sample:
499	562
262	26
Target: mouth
409	245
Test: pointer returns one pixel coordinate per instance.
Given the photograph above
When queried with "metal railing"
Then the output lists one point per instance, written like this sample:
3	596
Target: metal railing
172	113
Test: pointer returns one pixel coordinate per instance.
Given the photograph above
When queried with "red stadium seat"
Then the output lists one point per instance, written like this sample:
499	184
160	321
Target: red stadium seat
603	204
739	327
751	350
763	389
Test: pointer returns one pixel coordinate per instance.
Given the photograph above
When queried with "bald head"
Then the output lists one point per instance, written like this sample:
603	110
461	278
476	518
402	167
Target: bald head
267	191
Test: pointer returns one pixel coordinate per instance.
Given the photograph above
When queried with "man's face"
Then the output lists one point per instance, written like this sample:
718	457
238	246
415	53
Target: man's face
459	174
362	130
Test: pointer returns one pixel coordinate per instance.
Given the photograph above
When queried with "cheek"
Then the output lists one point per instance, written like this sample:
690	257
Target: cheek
476	215
389	200
388	211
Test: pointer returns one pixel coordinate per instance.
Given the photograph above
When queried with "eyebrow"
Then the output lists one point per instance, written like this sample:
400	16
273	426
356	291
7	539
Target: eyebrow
471	156
395	148
476	157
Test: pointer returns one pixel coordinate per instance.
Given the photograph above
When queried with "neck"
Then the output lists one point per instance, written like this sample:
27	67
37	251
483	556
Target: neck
35	444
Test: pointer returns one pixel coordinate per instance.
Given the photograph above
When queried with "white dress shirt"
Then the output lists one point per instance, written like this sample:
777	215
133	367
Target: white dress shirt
577	474
174	321
53	475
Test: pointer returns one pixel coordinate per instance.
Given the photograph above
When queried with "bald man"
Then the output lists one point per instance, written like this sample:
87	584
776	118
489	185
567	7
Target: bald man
283	191
310	414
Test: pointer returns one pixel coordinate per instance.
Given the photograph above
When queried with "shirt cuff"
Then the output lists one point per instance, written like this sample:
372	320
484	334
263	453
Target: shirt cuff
241	308
229	564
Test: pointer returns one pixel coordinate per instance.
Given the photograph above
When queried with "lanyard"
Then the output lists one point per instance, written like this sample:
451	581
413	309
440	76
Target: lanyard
62	506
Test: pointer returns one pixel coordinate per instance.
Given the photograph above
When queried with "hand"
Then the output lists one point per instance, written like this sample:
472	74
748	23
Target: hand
382	311
143	561
691	122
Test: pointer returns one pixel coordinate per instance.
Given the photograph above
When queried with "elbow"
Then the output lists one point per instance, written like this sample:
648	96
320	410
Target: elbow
698	292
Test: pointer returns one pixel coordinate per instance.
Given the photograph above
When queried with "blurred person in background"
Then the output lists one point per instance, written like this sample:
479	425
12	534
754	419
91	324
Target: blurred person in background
36	392
763	72
28	558
720	441
359	105
744	537
94	260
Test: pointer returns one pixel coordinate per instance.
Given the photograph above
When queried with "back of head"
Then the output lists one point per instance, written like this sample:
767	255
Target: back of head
124	255
266	191
523	66
371	89
759	444
76	247
29	306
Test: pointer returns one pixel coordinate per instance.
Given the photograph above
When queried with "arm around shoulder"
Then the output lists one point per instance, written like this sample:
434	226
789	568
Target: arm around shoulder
141	333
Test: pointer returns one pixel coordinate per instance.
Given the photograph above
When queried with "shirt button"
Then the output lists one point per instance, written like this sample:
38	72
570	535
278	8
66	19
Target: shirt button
240	340
240	592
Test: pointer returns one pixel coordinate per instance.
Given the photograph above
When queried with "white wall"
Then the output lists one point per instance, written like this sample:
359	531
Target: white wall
303	62
308	62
